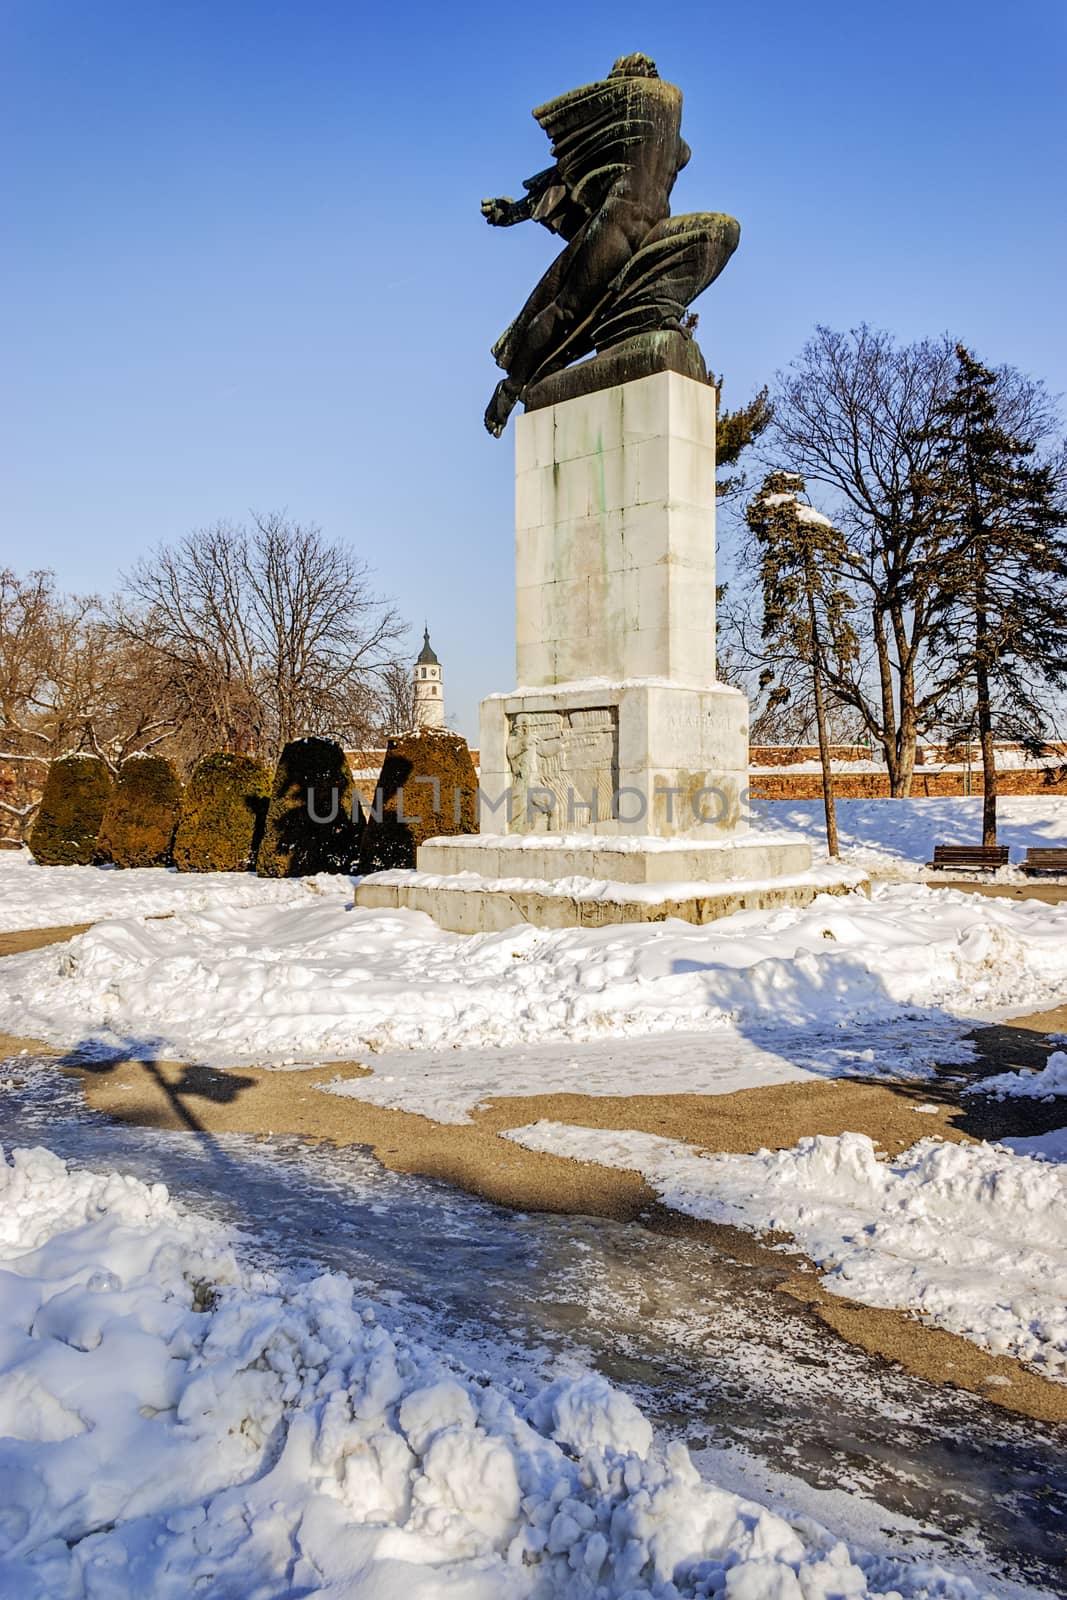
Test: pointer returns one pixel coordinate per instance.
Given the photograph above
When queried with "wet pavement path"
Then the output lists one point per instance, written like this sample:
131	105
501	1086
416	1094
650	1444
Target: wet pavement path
706	1344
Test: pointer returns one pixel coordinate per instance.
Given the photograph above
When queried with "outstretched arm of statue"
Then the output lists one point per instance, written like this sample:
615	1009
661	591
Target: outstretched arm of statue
504	212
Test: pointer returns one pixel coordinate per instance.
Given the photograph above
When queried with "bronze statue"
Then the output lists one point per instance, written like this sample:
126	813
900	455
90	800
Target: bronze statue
630	269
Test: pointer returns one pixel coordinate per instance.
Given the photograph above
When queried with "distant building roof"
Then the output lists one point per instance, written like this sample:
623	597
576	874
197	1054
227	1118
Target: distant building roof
426	657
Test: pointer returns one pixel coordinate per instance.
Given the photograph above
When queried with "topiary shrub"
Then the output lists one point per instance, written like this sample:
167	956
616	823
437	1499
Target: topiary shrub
76	792
295	844
427	788
142	814
223	811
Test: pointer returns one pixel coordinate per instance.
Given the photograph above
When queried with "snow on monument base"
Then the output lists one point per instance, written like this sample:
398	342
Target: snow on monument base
613	781
467	902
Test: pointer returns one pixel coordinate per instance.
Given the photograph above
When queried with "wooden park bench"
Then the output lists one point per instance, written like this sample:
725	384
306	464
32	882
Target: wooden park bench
1042	858
971	857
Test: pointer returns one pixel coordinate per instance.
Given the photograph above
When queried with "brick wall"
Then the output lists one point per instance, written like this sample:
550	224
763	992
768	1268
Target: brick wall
875	785
787	755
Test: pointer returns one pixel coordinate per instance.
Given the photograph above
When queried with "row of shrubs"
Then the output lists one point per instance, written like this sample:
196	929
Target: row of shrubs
233	816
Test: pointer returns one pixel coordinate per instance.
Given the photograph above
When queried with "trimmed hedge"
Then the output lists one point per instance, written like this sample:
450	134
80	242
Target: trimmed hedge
142	814
427	788
223	811
76	792
294	844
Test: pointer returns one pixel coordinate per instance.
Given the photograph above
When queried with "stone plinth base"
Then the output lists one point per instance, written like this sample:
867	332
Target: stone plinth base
472	904
553	858
633	757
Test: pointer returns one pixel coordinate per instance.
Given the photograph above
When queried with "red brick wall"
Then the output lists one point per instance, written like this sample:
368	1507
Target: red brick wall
875	785
786	755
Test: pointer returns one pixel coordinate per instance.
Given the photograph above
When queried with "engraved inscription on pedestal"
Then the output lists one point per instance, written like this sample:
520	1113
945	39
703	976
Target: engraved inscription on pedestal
564	767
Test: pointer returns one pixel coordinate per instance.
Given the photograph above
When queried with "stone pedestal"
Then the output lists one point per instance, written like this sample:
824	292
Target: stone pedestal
614	778
619	725
637	757
615	536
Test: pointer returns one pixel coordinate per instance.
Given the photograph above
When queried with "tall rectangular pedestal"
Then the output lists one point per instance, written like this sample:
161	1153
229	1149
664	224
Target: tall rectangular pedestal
618	725
615	535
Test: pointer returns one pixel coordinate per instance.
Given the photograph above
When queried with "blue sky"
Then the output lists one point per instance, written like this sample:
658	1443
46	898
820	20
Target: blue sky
243	264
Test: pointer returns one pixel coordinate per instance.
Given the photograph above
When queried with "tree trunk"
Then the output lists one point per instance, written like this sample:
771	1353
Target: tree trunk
984	708
824	738
985	739
888	733
907	735
907	726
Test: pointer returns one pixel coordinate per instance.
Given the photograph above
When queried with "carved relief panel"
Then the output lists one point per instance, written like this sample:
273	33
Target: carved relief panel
564	768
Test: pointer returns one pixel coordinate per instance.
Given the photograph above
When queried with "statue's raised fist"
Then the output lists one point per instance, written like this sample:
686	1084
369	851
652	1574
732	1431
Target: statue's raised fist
498	212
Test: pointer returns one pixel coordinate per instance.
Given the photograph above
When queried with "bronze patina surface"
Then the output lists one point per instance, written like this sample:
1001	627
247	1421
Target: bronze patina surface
629	269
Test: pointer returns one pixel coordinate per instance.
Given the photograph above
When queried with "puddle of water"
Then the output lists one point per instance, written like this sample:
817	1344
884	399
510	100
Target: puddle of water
707	1347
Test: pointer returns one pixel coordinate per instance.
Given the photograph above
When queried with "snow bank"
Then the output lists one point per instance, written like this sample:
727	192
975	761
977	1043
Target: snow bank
971	1237
321	979
179	1423
53	897
1028	1085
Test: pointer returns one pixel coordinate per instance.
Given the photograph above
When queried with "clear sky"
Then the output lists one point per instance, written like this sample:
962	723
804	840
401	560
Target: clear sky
242	262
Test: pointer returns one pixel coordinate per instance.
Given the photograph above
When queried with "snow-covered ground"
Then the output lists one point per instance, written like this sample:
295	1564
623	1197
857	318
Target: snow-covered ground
181	1418
53	897
888	836
897	837
971	1237
179	1421
318	979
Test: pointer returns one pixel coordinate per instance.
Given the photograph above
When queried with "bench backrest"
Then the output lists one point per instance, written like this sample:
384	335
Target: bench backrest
958	855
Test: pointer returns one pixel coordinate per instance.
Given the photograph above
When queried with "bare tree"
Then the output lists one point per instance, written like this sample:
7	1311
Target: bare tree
398	699
66	684
263	634
854	413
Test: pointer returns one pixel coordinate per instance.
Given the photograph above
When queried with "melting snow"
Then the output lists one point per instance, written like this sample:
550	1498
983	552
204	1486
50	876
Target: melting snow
972	1237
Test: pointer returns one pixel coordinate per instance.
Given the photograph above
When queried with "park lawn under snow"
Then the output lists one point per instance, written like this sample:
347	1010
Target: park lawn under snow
971	1237
898	836
54	897
177	1421
319	979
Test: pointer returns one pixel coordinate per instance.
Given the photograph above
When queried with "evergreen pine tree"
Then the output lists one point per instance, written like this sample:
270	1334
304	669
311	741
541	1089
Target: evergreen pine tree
1003	567
734	432
805	611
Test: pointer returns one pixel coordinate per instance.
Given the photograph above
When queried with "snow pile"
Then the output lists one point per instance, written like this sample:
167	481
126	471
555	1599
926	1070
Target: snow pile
178	1423
1026	1085
971	1237
53	897
323	979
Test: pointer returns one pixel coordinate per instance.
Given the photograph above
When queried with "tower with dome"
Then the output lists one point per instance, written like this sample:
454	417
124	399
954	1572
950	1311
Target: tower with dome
429	695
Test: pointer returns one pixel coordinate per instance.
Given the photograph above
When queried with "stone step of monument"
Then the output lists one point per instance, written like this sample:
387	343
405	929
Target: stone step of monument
467	903
625	858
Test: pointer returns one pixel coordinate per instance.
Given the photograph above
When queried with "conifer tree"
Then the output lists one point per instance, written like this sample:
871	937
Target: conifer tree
1003	560
734	432
805	610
